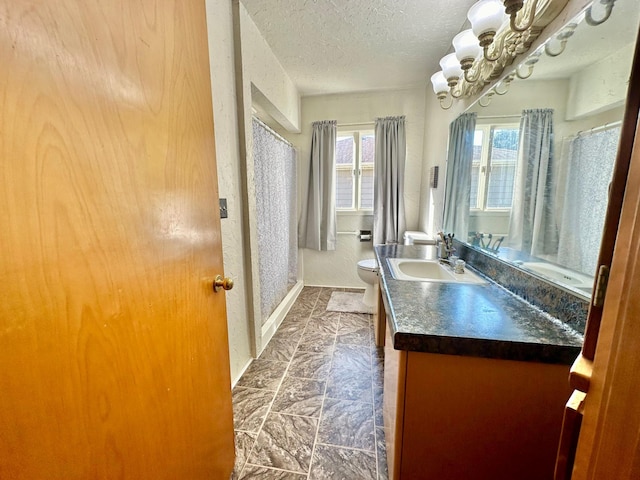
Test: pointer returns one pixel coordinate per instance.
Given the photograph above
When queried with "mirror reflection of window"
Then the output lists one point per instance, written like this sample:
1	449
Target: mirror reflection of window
355	170
495	155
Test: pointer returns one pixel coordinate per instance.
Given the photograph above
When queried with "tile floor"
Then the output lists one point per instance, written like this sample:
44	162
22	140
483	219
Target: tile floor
311	406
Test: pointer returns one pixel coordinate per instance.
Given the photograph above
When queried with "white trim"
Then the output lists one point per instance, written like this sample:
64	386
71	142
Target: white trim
278	315
234	382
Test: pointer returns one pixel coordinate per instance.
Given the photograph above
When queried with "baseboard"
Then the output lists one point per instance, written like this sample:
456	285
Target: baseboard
350	287
244	369
278	315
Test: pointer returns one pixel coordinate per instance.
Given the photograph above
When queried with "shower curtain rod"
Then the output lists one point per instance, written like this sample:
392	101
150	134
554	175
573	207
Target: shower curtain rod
272	131
606	126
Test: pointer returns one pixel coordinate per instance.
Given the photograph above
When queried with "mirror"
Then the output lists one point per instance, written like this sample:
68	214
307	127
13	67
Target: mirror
586	87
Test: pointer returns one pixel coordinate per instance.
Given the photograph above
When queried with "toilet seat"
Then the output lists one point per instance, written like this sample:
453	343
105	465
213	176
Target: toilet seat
369	264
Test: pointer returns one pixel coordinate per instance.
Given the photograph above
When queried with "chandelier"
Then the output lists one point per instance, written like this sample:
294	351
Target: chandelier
500	31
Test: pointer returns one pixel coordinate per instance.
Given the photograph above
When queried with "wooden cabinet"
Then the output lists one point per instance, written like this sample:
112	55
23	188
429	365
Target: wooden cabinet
457	417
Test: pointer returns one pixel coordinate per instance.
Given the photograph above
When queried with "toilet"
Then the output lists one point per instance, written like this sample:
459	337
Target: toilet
368	273
412	237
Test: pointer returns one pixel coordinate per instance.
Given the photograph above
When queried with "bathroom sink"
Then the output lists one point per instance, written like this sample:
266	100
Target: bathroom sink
559	274
429	271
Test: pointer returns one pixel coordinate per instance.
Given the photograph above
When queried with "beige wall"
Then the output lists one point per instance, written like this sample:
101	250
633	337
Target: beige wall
260	75
338	268
221	58
436	136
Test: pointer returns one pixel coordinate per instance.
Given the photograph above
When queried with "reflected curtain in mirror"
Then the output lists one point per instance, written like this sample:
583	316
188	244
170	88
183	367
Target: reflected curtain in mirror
317	229
459	160
390	154
275	190
532	226
590	166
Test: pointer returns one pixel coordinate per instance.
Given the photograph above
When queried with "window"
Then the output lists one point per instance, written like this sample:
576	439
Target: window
354	170
495	156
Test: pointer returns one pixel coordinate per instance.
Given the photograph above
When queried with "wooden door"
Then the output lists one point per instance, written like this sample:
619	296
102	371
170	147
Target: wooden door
113	346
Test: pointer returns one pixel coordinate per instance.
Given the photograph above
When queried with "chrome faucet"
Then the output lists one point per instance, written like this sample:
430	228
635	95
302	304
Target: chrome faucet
445	246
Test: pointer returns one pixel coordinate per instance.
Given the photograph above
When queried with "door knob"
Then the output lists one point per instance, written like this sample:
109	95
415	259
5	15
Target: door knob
222	282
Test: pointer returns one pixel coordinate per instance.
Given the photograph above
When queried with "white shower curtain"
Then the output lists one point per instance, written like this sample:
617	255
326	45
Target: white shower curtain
275	191
390	154
591	160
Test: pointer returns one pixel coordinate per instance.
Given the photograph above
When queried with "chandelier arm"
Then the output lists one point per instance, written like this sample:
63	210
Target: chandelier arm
470	79
497	48
528	23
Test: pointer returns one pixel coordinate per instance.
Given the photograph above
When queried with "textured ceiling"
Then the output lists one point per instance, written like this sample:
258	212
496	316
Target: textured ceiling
335	46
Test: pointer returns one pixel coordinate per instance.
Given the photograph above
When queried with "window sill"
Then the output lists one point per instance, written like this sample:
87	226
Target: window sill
487	213
355	213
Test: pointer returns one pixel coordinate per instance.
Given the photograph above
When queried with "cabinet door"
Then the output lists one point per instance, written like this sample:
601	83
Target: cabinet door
395	362
569	436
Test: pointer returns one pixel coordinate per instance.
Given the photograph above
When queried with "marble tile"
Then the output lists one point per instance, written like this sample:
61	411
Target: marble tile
357	319
285	442
279	348
310	291
331	463
354	329
348	424
310	365
317	343
244	444
308	297
263	374
377	370
305	304
299	396
378	404
350	385
323	299
291	330
383	472
298	314
263	473
352	357
250	407
378	353
322	312
326	323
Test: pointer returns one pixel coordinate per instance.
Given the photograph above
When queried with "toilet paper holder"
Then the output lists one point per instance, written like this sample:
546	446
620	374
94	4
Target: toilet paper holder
364	235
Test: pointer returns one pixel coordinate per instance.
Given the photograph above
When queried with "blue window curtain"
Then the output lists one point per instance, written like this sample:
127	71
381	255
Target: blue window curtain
532	225
459	160
390	154
317	228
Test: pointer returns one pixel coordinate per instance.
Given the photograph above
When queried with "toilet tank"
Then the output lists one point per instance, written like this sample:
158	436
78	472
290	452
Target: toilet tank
412	237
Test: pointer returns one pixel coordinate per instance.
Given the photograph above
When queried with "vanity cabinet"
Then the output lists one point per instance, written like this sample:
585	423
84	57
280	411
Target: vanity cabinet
463	417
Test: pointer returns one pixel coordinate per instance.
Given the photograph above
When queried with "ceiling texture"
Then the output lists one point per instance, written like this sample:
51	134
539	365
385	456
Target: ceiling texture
339	46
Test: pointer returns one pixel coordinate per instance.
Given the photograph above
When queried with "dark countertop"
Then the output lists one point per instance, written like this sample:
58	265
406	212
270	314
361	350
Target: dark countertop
471	320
